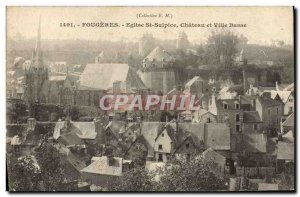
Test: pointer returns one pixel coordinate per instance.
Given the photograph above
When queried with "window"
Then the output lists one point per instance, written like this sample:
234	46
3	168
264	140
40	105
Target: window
237	118
145	65
255	126
237	106
188	157
163	59
187	145
163	65
138	147
290	109
208	120
269	111
237	128
225	106
277	110
160	147
162	135
153	65
160	157
290	100
153	59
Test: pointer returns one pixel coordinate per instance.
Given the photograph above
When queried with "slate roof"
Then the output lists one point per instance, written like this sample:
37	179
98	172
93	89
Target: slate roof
218	136
101	166
251	117
70	138
255	143
268	102
109	73
84	130
211	155
285	151
159	54
290	121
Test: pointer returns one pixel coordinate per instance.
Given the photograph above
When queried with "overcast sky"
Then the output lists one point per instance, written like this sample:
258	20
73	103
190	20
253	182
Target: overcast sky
263	23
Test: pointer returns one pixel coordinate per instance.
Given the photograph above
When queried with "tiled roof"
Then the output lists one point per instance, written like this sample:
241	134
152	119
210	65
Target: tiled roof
101	166
251	117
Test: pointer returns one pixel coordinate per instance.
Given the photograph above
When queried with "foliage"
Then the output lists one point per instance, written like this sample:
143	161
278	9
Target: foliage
223	44
53	169
195	175
23	174
136	179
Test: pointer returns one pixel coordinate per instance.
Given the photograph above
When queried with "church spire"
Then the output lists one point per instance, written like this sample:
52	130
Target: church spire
38	52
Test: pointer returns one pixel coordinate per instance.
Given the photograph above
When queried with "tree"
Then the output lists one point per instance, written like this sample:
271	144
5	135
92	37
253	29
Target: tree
195	175
53	168
23	174
223	44
136	179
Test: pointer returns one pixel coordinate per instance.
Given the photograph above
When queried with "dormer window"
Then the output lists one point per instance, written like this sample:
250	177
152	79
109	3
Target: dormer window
225	105
187	145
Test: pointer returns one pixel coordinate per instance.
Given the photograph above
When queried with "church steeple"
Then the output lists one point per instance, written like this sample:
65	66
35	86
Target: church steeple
38	56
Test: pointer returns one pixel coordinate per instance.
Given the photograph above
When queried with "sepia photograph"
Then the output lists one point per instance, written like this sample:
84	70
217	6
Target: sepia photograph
150	99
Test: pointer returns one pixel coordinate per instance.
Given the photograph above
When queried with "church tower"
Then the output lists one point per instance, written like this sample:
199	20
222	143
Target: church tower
37	73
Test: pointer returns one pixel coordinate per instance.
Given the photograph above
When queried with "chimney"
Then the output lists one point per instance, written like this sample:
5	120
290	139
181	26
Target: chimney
276	84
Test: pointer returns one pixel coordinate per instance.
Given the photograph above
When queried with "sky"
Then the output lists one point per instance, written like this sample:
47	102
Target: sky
263	24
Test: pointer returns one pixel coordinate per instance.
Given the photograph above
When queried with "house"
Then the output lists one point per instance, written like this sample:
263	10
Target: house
163	145
287	98
251	122
150	131
270	112
228	111
103	170
138	151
